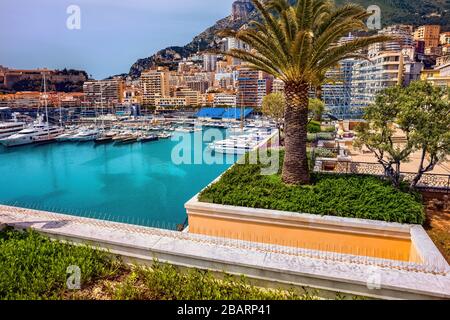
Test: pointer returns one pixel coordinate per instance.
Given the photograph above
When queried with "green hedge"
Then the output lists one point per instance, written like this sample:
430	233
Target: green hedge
354	196
34	267
314	127
320	136
324	153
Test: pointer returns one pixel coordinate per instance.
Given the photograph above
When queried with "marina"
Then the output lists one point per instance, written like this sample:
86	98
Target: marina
131	179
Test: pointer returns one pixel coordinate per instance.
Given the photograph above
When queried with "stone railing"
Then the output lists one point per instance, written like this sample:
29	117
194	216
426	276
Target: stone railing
428	180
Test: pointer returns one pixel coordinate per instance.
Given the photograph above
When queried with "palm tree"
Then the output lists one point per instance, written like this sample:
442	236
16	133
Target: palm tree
297	43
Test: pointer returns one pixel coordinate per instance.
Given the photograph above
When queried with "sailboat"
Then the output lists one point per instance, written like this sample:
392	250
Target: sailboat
51	132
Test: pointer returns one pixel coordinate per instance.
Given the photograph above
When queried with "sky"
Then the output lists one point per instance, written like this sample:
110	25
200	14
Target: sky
113	34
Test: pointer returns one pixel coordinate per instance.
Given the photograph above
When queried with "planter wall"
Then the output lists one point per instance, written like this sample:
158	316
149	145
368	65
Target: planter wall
376	239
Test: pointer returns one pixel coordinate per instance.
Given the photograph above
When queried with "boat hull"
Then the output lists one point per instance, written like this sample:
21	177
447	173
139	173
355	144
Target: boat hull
17	142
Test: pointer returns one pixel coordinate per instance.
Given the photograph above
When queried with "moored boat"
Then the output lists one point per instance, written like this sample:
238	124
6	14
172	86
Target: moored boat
130	139
9	128
104	140
148	138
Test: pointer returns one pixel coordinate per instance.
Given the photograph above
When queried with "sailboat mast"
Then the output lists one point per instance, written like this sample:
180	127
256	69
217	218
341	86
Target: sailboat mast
46	104
60	111
242	111
101	105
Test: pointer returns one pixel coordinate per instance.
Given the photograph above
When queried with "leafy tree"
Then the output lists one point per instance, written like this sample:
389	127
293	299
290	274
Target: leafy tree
297	42
273	106
422	113
316	109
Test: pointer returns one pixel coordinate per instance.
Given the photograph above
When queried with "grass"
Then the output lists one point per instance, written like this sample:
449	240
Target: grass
34	267
353	196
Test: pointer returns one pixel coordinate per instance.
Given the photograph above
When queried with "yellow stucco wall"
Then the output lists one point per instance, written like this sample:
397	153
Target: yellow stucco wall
386	247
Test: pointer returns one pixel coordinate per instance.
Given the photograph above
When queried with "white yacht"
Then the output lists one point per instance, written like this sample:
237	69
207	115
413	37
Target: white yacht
9	128
35	133
86	135
49	134
64	137
38	132
232	146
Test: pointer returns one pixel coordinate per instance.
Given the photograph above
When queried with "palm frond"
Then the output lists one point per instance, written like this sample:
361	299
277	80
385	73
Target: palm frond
300	42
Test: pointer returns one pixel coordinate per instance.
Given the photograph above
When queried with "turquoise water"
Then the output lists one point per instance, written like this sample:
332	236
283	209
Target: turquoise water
137	183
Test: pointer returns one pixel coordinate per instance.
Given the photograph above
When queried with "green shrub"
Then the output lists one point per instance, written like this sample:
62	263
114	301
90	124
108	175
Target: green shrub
354	196
324	153
320	136
34	267
330	129
325	136
166	282
314	127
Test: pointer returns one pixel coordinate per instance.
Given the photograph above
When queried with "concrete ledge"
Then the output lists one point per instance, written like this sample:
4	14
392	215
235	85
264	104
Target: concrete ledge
273	265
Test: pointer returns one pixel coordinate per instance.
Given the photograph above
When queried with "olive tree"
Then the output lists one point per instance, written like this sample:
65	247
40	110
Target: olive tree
421	113
273	107
316	109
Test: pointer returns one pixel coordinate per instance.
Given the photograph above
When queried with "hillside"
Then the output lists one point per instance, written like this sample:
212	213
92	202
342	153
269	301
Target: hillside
393	11
416	12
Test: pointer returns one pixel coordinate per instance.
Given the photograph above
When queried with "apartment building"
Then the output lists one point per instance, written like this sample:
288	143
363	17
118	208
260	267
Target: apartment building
247	88
277	86
385	69
170	103
154	85
104	91
209	62
224	100
439	76
444	38
193	98
430	34
264	87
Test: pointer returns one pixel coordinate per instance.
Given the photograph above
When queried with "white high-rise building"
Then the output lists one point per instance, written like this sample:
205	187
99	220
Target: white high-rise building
385	69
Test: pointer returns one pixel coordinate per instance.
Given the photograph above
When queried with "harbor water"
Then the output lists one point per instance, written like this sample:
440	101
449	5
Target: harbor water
138	183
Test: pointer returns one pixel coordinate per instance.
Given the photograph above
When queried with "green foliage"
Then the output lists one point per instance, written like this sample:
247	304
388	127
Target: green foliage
320	136
353	196
410	12
301	52
314	127
166	282
273	106
34	267
316	108
421	113
324	153
330	129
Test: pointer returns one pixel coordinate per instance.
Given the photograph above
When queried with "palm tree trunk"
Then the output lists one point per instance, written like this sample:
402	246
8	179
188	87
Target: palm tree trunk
319	92
295	166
